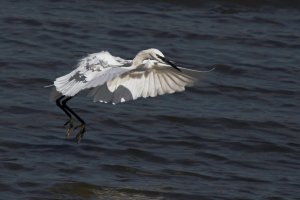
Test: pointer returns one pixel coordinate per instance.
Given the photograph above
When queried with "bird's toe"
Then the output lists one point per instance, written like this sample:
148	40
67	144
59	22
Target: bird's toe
69	125
80	133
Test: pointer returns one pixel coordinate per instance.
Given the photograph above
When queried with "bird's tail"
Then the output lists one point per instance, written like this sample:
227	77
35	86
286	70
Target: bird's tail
47	86
54	93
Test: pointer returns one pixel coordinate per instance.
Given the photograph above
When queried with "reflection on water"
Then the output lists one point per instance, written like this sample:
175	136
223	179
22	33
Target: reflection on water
86	191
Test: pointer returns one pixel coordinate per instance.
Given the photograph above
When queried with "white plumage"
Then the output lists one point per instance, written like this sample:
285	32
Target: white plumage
113	79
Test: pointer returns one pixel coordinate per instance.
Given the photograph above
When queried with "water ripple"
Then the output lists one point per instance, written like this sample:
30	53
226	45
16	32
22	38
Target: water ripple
233	136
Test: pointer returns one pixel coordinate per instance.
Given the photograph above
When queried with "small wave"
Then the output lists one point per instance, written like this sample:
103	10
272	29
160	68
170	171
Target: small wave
121	33
146	155
247	179
225	122
27	82
22	20
227	69
212	156
237	89
131	170
7	187
93	148
142	154
125	195
227	9
15	166
255	148
23	42
74	190
62	24
266	21
187	173
164	34
20	110
189	162
132	12
28	184
276	44
71	170
245	164
240	3
110	122
198	36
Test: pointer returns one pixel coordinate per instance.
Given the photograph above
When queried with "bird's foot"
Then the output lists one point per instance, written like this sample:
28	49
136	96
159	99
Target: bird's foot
80	133
69	125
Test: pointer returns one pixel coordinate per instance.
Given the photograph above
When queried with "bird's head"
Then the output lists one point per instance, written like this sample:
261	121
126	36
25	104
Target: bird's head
156	54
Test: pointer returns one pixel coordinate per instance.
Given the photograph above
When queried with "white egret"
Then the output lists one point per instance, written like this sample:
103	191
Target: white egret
113	79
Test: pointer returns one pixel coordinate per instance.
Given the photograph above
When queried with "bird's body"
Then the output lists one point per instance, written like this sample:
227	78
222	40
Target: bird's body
113	79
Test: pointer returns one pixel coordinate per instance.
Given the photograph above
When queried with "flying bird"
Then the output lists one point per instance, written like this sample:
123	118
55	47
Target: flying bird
113	79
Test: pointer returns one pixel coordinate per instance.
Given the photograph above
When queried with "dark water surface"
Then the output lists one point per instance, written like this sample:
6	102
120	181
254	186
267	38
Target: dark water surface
236	136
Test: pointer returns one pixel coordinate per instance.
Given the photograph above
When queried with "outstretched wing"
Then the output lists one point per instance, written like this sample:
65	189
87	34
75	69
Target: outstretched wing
93	70
150	81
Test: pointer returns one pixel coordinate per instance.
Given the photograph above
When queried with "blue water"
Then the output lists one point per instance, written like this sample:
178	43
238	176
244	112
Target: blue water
236	136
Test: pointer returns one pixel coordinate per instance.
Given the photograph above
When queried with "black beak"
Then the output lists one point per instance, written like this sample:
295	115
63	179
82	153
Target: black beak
168	62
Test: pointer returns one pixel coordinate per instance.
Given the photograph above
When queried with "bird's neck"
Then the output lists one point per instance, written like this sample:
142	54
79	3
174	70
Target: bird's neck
139	58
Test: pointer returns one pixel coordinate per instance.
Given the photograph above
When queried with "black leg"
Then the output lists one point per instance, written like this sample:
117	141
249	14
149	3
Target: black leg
69	124
81	132
64	104
58	103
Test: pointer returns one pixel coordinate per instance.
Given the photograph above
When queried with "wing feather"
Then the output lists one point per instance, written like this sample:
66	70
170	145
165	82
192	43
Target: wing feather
92	71
182	79
152	91
146	87
145	83
159	84
166	86
170	82
176	81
